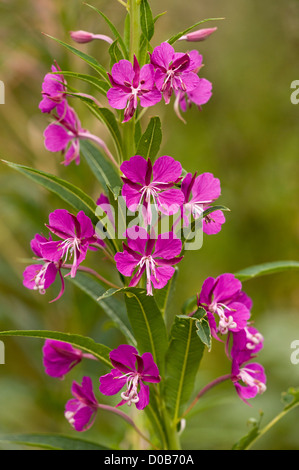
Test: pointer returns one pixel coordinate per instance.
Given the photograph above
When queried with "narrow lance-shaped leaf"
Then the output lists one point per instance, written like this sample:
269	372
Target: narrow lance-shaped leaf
88	345
146	320
100	85
115	53
103	170
114	30
114	309
150	142
177	36
87	58
65	190
146	20
182	361
50	442
266	268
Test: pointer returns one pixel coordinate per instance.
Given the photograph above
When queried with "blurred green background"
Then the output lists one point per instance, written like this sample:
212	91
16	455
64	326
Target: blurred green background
247	135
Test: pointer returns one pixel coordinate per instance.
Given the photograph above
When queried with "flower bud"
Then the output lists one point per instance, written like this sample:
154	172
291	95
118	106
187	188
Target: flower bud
199	35
83	37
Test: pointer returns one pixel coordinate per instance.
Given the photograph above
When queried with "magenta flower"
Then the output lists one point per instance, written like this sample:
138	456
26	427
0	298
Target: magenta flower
246	344
53	90
77	233
174	70
59	358
65	135
146	184
249	380
130	370
223	297
82	409
42	275
153	256
129	83
200	192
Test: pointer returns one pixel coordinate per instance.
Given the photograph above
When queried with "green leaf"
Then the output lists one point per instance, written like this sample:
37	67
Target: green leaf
51	442
115	53
150	142
266	268
253	433
101	85
146	320
127	31
182	361
146	20
103	170
86	344
174	38
204	332
290	399
162	296
107	117
113	308
69	193
114	30
87	58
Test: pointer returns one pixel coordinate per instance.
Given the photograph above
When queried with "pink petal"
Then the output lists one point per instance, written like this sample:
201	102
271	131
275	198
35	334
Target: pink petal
226	287
123	358
151	98
125	263
166	170
212	224
202	93
29	275
137	238
143	397
167	246
206	188
163	274
62	223
131	196
147	76
170	201
162	55
56	138
117	98
112	383
135	169
86	227
122	72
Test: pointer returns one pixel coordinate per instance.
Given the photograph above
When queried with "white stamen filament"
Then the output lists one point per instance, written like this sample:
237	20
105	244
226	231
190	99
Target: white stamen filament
247	378
131	394
150	269
254	339
225	323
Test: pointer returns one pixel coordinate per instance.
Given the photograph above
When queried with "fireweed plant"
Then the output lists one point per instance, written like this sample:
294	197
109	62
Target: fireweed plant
149	214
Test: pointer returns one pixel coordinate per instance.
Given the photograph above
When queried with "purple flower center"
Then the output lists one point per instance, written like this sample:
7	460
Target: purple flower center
150	269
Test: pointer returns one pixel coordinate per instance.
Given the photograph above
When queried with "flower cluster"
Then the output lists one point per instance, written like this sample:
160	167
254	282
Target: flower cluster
228	312
76	236
130	371
168	72
155	189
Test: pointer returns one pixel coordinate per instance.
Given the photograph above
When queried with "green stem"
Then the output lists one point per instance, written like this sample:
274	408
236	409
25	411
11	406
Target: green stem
172	435
134	9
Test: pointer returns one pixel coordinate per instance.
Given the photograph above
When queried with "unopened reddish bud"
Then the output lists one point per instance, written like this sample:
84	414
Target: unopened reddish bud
83	37
199	35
